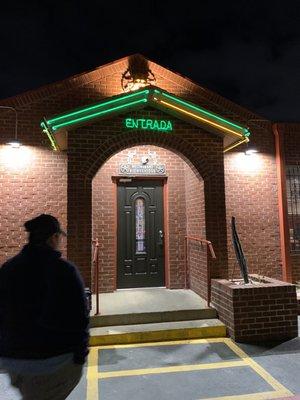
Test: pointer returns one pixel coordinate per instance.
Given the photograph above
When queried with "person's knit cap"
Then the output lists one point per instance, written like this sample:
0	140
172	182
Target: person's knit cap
44	224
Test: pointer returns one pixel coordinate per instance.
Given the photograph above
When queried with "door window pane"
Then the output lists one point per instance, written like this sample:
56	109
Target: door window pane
140	225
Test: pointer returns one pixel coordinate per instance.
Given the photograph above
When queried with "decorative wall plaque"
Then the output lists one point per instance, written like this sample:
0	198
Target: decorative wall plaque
148	165
127	169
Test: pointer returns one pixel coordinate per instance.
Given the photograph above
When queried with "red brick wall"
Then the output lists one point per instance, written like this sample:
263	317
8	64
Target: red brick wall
195	203
251	196
197	262
33	181
291	140
196	252
41	186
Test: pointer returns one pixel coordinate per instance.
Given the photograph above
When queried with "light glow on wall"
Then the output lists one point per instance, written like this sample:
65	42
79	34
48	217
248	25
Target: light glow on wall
15	159
247	164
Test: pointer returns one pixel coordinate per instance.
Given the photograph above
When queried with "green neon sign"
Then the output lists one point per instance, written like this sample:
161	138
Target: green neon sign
124	103
149	124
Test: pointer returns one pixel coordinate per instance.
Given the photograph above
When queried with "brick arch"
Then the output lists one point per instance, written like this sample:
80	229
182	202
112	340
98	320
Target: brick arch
191	155
205	160
185	184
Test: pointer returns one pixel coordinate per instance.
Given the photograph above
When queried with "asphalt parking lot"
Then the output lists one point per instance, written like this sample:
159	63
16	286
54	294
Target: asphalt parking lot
190	370
196	369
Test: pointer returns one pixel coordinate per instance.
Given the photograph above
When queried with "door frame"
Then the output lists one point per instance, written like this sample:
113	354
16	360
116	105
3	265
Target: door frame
164	180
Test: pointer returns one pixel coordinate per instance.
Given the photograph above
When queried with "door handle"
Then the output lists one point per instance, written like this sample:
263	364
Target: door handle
160	237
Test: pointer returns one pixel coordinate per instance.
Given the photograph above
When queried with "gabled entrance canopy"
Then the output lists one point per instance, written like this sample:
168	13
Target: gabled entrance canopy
57	127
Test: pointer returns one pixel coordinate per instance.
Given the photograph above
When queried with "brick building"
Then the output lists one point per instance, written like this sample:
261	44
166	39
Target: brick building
145	160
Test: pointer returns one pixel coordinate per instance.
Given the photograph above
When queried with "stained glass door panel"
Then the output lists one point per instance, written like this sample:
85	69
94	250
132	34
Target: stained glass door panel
140	227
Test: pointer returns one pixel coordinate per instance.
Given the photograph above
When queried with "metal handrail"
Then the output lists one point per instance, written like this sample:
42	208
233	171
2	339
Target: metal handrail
209	244
96	273
213	256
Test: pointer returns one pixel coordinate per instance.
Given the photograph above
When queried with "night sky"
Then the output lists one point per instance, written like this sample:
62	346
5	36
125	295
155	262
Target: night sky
247	51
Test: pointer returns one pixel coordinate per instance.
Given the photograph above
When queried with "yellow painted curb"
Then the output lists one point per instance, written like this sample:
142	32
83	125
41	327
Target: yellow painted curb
157	336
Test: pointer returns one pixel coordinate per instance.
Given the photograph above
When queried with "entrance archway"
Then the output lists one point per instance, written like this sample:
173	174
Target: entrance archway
179	211
91	146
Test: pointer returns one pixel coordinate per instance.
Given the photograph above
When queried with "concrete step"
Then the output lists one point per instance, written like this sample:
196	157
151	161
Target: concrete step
164	331
152	317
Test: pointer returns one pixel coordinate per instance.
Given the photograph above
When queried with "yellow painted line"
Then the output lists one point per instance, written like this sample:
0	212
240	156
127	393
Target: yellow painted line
93	375
257	368
252	396
166	370
166	343
232	146
92	372
202	119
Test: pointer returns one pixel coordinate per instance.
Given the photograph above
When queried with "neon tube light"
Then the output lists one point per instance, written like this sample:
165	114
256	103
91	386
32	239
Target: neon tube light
73	121
202	119
206	112
156	97
232	146
45	130
148	124
50	121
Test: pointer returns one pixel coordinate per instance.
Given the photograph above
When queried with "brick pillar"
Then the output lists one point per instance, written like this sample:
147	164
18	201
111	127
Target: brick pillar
215	221
80	225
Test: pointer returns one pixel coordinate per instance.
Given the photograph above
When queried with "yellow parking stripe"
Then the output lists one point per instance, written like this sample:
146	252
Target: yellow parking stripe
93	375
166	370
167	343
252	396
257	368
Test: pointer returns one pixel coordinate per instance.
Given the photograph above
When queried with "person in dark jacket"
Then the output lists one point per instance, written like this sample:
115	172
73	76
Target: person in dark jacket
43	316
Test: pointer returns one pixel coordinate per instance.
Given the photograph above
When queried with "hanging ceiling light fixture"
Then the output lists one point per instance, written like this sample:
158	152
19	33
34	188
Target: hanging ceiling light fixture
15	143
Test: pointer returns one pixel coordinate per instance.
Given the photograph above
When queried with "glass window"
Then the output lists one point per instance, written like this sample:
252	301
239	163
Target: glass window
140	225
293	204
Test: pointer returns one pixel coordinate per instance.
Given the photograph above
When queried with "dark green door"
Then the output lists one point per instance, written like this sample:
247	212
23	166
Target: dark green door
140	234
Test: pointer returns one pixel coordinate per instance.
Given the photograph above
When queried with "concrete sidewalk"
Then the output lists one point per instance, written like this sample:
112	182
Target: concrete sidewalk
146	300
